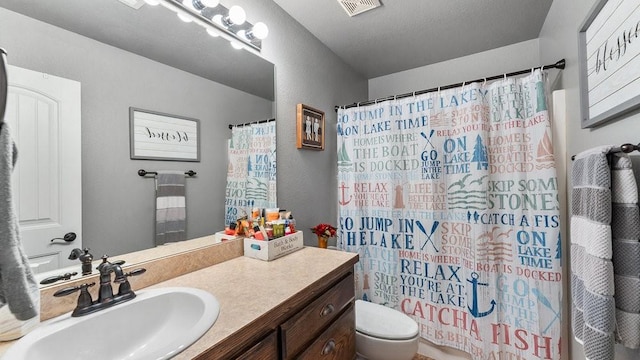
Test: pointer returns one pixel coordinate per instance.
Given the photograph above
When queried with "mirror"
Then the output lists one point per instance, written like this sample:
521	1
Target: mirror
149	59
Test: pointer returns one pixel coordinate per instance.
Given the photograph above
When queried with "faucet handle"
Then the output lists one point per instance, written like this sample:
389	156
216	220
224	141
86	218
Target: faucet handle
125	287
136	272
52	279
71	290
84	300
123	278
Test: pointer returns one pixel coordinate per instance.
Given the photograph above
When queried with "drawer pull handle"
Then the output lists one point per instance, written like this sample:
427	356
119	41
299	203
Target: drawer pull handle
328	347
328	309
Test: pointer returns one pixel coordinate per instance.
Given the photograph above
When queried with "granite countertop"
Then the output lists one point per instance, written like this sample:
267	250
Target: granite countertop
249	289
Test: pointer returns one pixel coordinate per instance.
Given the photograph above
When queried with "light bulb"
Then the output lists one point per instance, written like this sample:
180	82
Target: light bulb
213	32
184	17
217	19
152	2
236	45
260	30
210	3
237	15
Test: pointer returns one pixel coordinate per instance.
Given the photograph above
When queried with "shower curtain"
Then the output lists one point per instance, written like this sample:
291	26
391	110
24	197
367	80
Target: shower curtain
451	200
251	170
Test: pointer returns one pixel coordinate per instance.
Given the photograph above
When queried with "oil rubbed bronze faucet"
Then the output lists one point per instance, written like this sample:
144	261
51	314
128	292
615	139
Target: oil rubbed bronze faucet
106	298
85	258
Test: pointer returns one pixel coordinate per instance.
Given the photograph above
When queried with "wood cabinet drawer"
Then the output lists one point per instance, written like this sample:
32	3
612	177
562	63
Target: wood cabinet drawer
338	342
267	349
302	328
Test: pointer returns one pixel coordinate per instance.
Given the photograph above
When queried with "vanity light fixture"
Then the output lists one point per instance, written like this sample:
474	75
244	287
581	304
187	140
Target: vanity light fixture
217	20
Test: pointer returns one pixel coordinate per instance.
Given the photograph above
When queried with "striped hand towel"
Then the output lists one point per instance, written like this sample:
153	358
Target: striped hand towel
625	230
171	216
592	281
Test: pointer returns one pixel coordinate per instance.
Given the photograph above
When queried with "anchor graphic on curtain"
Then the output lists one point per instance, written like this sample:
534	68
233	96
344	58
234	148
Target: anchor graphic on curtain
474	308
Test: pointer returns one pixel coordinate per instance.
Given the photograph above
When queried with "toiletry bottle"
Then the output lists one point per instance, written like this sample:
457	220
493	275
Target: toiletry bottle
292	223
257	234
231	229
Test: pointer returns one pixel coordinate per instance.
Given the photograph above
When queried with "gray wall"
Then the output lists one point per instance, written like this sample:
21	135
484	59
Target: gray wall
118	205
306	72
559	38
498	61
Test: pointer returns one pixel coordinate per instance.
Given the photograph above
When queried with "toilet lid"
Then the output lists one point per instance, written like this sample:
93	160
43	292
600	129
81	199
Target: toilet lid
384	323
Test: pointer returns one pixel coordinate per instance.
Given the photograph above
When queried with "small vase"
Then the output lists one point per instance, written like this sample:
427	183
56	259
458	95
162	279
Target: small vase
322	241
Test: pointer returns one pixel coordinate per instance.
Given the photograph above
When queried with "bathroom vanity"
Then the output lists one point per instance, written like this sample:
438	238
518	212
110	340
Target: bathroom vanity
299	306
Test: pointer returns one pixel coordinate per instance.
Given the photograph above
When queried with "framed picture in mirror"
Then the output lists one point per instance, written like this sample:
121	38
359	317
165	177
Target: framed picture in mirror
159	136
310	128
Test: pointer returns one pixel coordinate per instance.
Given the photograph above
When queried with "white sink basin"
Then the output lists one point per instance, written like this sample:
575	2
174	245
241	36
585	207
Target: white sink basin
157	324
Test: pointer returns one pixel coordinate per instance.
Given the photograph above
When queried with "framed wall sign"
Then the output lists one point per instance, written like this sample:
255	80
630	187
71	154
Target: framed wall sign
609	41
158	136
309	128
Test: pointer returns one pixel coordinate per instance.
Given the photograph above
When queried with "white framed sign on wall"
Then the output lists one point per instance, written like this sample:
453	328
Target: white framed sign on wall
159	136
609	55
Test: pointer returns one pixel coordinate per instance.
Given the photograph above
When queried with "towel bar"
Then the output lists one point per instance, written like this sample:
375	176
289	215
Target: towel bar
143	172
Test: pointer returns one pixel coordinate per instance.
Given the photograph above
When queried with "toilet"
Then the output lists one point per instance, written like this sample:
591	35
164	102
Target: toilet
383	333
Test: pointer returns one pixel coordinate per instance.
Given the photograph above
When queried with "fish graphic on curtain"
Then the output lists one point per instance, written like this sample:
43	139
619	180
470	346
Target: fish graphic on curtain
451	200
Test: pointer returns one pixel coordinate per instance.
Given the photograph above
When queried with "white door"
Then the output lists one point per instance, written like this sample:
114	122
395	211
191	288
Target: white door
43	112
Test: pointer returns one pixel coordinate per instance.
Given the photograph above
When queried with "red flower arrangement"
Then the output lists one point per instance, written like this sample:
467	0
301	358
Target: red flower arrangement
324	230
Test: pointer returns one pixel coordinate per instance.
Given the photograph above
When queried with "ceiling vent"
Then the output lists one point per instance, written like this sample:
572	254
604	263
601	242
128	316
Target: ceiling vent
136	4
355	7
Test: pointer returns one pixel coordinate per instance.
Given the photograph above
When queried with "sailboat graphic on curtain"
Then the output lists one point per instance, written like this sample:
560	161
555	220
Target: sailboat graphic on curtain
451	200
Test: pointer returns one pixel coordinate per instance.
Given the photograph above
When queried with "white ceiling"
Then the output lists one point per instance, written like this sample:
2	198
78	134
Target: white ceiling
400	35
405	34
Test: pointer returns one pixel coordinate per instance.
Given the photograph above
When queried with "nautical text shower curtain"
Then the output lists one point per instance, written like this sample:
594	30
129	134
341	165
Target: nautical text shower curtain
251	170
451	200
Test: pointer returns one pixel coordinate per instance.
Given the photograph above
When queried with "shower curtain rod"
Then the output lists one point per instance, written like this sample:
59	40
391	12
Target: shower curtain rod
560	64
624	148
231	126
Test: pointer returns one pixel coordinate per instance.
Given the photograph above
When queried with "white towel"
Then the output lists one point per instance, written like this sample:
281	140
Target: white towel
18	288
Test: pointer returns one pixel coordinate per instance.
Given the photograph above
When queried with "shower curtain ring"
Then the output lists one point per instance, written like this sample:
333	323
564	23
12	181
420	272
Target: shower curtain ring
463	84
505	76
485	82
